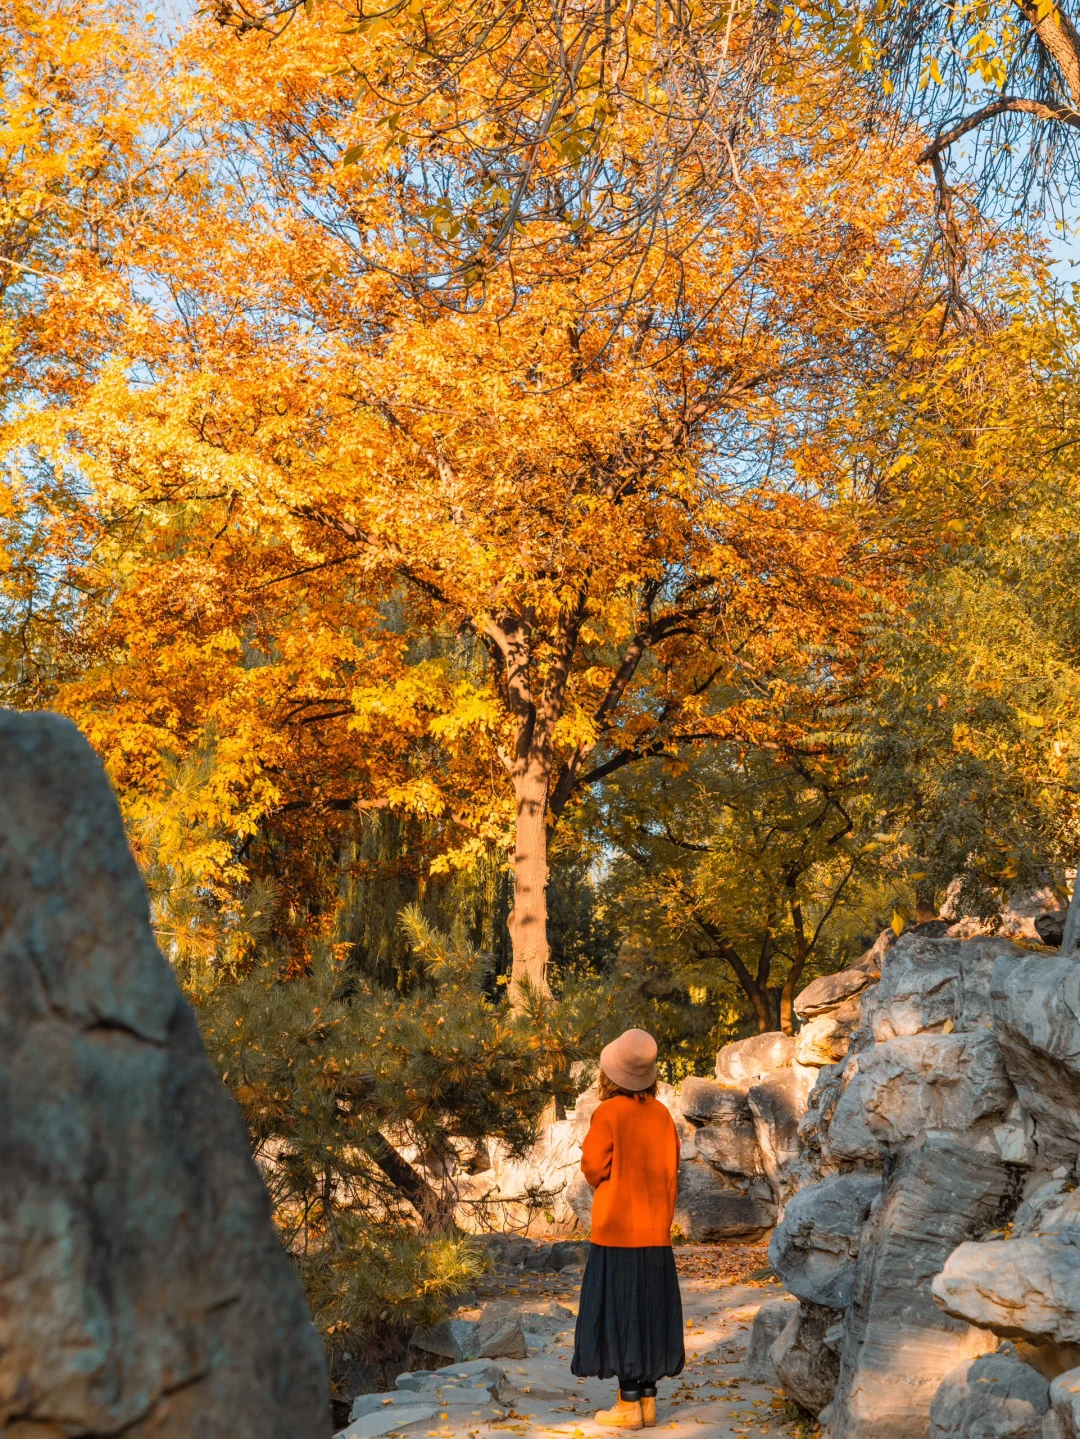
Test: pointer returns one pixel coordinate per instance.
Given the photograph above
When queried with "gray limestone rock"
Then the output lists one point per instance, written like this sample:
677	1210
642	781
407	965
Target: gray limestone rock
726	1139
731	1148
846	1137
769	1323
994	1397
703	1100
1053	1205
928	983
830	992
481	1372
1036	1012
827	1039
709	1208
898	1345
815	1247
805	1365
500	1337
746	1061
915	1083
402	1401
1065	1403
389	1419
145	1289
778	1103
816	1161
1026	1288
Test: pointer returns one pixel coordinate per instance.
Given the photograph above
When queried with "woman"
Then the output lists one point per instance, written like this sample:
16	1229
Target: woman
630	1317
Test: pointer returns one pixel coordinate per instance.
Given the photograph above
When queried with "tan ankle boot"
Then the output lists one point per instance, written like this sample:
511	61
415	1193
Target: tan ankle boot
648	1410
625	1415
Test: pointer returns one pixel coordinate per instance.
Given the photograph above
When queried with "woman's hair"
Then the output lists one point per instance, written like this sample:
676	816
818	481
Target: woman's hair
609	1089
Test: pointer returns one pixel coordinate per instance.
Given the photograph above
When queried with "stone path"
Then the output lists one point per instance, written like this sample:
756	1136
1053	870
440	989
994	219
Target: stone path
711	1399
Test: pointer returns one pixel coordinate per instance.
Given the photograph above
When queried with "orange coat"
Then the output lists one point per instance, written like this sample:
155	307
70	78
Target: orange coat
631	1159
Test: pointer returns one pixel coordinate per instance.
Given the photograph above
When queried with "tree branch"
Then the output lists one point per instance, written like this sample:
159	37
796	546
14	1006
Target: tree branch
1041	109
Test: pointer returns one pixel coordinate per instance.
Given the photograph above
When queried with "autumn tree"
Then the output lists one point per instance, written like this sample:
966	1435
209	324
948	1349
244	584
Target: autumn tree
592	506
995	86
971	739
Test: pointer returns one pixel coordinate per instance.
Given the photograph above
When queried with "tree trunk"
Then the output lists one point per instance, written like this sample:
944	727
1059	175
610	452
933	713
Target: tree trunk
925	903
528	918
435	1211
802	949
760	1004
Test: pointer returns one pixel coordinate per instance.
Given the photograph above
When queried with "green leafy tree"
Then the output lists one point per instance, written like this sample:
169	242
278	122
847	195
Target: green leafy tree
742	875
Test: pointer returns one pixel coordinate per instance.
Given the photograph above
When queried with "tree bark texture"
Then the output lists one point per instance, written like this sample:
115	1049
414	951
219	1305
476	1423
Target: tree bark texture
528	918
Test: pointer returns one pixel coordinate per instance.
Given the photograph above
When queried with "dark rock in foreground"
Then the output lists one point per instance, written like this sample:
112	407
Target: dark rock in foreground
145	1289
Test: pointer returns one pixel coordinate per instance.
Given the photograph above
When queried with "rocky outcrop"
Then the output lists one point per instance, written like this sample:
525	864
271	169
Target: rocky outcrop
995	1397
805	1365
145	1289
816	1246
898	1345
769	1323
1035	1004
711	1206
959	1095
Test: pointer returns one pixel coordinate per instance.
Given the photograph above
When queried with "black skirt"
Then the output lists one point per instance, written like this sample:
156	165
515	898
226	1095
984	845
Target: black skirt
629	1322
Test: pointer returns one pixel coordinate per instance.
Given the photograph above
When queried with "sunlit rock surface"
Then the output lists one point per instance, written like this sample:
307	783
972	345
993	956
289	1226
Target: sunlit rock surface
994	1397
898	1345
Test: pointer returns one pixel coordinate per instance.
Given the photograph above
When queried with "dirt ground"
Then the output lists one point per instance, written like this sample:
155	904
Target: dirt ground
722	1287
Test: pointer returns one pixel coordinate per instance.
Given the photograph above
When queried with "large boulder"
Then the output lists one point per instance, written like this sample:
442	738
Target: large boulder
915	1083
805	1365
993	1397
898	1345
746	1061
1065	1404
928	983
769	1323
827	1039
1025	1288
145	1289
1036	1012
778	1103
830	992
710	1208
726	1139
815	1247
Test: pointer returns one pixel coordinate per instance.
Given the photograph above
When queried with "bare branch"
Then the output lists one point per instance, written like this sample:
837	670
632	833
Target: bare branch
1042	109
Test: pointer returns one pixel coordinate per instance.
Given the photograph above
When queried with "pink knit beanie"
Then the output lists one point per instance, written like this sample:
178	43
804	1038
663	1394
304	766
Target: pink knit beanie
630	1060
